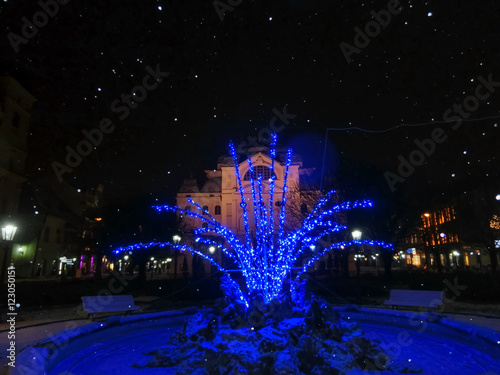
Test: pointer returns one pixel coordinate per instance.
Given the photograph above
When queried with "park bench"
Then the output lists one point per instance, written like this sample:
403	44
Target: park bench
421	298
108	303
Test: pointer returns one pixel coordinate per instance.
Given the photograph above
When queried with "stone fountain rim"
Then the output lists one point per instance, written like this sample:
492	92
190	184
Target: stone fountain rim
377	316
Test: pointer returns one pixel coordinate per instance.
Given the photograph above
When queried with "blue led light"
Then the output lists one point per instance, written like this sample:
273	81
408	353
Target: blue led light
267	259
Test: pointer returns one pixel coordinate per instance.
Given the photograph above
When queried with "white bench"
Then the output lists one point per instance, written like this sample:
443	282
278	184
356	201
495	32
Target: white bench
108	303
421	298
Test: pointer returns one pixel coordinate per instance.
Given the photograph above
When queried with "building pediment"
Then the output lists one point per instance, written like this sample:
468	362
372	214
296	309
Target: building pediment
258	159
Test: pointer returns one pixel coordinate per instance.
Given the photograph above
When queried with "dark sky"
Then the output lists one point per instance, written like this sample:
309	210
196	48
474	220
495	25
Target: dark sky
229	77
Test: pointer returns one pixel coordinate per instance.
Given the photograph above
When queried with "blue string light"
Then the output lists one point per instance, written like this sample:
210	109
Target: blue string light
265	262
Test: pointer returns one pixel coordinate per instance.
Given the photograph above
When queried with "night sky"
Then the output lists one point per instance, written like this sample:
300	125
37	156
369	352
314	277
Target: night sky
228	78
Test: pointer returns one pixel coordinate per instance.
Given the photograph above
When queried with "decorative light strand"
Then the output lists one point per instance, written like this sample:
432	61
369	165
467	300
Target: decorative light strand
265	263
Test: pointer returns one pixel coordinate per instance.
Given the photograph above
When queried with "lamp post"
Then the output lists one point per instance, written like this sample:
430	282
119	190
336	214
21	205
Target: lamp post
8	233
356	236
176	239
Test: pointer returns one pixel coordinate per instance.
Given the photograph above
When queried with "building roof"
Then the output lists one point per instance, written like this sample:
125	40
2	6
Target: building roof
189	185
213	185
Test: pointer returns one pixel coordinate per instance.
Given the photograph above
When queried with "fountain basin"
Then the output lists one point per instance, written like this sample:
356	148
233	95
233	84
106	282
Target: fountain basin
435	343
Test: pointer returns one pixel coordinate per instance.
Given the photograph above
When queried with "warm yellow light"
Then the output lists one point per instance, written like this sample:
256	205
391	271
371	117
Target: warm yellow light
427	215
98	218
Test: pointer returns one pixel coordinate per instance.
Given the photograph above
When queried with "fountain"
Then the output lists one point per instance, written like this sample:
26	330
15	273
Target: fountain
279	327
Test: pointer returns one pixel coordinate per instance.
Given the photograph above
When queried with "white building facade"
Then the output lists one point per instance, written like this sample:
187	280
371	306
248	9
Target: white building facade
219	195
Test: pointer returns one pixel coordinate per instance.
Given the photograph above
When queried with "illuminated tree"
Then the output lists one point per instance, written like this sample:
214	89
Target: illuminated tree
268	257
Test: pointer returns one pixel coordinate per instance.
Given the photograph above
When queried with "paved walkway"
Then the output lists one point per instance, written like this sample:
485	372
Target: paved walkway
29	333
489	322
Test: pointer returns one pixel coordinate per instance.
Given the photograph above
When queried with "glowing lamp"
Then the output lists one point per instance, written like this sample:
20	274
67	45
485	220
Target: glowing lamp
8	232
356	235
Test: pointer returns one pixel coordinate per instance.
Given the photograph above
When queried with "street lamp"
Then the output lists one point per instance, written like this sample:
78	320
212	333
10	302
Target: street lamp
356	235
8	233
176	239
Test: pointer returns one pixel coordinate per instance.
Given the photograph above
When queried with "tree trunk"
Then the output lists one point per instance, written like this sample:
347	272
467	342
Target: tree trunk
427	258
344	261
142	269
98	264
493	259
387	257
437	260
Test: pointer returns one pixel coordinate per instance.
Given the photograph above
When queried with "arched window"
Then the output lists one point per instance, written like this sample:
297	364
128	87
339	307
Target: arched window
262	170
217	210
303	209
204	225
188	208
205	210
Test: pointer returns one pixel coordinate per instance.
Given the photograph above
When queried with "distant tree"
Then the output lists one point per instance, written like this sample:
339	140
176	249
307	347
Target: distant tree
477	220
400	209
